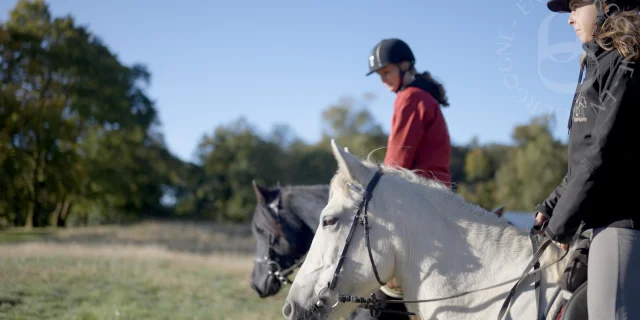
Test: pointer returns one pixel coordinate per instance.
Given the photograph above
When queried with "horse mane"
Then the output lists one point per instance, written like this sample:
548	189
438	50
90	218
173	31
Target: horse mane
340	180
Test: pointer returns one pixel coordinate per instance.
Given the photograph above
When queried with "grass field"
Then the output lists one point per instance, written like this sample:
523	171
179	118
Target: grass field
146	271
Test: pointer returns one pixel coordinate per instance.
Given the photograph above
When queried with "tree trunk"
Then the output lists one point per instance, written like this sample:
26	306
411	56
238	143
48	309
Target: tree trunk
62	218
28	221
40	156
32	214
53	217
37	209
32	209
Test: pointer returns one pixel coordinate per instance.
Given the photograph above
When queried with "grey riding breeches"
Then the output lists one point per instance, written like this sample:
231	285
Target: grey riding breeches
613	292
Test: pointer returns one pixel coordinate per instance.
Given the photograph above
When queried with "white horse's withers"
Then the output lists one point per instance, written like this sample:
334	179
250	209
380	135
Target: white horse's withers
429	238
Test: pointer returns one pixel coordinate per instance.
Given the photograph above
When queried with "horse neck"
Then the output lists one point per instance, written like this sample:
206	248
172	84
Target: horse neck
447	245
307	202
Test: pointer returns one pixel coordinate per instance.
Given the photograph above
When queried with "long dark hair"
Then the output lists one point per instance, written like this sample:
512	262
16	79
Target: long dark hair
435	88
620	31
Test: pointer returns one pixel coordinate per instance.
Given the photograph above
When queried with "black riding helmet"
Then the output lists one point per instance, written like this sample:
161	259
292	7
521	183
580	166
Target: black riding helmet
389	51
618	5
563	5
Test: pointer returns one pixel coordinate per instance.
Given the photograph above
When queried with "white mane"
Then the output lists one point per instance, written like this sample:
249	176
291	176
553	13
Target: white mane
434	188
429	238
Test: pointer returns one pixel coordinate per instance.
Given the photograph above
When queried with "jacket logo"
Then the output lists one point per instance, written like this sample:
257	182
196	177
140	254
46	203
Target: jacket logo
578	109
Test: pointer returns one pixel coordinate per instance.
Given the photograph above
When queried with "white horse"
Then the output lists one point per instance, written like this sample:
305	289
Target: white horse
429	238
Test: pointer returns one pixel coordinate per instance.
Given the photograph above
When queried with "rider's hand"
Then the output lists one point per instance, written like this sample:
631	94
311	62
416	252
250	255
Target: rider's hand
539	221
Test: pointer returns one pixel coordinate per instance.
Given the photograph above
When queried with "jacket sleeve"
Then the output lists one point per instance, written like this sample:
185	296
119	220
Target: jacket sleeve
618	93
406	131
546	207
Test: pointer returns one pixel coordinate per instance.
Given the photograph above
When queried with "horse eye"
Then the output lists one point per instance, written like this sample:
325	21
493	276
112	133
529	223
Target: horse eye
329	221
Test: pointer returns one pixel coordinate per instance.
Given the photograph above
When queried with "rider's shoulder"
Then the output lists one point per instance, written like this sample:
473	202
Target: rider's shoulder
415	97
608	57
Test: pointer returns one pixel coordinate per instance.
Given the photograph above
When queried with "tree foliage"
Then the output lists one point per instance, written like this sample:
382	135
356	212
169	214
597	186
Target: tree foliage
533	167
78	130
80	142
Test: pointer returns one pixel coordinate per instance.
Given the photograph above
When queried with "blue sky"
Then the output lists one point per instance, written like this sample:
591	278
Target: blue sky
283	62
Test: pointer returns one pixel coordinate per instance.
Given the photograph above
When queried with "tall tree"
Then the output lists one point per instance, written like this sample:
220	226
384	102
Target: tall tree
533	168
479	186
232	157
352	125
68	106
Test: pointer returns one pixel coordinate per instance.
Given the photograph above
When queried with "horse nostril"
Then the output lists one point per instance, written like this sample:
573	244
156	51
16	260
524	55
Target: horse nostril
287	309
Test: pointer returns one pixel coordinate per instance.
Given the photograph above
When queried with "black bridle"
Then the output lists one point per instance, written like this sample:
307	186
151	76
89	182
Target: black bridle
376	306
276	270
360	217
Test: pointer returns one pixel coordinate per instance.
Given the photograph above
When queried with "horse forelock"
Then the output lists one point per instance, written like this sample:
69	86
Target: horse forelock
265	219
271	221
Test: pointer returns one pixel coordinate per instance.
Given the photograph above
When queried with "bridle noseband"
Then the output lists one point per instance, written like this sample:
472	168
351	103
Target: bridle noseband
276	270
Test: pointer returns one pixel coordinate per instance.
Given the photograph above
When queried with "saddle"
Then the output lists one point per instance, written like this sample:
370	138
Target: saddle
576	307
574	282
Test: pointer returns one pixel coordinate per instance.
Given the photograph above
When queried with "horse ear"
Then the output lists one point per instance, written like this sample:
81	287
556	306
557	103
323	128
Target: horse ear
349	164
274	198
259	191
264	195
499	211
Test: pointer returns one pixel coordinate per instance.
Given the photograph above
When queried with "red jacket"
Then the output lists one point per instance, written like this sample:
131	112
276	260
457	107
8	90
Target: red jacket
419	138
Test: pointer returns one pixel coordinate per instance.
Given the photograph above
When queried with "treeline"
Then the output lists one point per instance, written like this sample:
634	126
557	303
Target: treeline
80	142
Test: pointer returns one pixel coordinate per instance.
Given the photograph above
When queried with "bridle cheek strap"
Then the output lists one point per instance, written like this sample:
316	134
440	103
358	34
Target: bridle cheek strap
360	216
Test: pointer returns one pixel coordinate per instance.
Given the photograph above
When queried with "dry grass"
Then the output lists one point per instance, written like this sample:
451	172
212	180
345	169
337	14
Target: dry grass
200	237
132	272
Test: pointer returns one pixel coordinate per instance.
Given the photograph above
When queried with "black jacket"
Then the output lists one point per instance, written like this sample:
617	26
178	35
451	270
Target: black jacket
599	188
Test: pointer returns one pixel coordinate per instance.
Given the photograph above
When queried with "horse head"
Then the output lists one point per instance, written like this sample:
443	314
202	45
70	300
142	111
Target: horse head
282	239
321	274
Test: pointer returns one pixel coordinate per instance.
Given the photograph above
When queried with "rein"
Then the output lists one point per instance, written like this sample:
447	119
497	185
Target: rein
376	306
